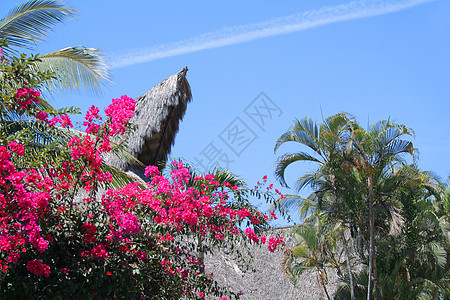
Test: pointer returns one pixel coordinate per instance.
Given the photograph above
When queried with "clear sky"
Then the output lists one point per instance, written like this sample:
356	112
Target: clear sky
373	59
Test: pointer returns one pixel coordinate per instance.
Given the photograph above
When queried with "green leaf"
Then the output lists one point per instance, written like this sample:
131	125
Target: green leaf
75	68
30	21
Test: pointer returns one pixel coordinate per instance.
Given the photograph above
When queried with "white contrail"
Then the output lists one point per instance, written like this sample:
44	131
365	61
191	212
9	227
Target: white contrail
283	25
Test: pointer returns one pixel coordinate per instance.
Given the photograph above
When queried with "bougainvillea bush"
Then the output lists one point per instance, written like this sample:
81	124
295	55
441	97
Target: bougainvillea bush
66	232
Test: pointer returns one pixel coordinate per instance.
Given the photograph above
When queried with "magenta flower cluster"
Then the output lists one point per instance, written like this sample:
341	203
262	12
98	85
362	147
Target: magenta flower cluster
29	198
26	97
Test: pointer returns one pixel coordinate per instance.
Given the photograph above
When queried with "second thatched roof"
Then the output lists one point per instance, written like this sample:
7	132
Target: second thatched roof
269	280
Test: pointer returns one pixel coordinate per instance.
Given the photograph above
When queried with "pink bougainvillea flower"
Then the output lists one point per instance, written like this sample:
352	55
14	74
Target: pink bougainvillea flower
54	120
26	97
151	170
99	251
42	115
92	114
119	112
37	267
251	234
65	121
274	242
17	148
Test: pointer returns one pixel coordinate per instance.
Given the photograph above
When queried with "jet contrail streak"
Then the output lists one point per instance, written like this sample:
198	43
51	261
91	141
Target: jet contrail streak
283	25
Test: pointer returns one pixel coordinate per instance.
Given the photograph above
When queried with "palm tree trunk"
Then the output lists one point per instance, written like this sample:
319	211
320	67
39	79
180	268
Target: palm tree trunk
349	268
371	258
375	273
326	292
371	229
347	254
318	285
320	279
434	297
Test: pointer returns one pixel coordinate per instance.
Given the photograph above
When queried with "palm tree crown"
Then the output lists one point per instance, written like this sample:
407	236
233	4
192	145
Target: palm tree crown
74	67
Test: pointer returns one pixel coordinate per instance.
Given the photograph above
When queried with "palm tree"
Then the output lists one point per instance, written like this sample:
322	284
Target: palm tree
74	67
415	260
354	166
424	237
376	153
316	250
329	143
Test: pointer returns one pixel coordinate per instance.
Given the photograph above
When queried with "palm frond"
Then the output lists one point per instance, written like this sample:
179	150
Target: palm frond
397	147
308	179
299	268
75	68
360	282
300	251
223	176
304	131
338	121
439	254
30	21
121	178
305	206
286	159
396	221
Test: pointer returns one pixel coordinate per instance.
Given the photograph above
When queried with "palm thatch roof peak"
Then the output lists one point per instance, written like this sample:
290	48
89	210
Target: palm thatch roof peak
156	120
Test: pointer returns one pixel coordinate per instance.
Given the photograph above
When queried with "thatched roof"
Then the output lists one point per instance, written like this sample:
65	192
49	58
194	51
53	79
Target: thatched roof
269	281
157	116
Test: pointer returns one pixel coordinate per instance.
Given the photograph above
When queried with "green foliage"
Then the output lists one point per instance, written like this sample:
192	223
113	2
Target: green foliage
72	67
364	184
30	21
316	249
44	145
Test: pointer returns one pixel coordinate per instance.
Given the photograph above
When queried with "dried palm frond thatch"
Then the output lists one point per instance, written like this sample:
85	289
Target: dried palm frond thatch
156	120
268	281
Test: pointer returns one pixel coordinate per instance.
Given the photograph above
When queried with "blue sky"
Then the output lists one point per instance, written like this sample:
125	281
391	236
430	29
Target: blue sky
373	59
